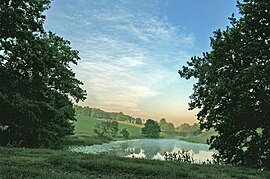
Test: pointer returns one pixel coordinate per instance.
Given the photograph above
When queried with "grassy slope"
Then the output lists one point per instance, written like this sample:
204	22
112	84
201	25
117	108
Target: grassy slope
86	125
84	131
201	138
42	163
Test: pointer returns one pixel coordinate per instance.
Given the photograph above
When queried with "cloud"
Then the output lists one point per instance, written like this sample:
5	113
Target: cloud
129	51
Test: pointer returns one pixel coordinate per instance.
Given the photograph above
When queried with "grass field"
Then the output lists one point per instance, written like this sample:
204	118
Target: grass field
86	125
19	163
84	131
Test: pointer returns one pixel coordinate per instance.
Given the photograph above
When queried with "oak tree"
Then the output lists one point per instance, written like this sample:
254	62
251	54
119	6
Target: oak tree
37	84
233	88
151	129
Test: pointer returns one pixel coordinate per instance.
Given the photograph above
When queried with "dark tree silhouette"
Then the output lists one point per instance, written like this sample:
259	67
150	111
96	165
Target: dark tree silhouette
36	82
233	88
151	129
125	133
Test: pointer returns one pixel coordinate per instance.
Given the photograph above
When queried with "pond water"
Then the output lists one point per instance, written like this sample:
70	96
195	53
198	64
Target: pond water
150	149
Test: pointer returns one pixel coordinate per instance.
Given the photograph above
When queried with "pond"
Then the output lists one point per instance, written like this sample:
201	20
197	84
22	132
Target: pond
150	148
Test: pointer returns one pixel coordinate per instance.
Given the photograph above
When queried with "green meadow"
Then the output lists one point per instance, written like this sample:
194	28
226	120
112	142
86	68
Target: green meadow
19	163
84	131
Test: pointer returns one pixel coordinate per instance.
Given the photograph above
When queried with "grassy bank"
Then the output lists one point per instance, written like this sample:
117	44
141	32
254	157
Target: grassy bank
41	163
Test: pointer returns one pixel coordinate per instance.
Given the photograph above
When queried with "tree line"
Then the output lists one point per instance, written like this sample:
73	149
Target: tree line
98	113
189	130
167	127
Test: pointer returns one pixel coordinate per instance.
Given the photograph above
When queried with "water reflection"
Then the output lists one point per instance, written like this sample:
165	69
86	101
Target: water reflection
150	149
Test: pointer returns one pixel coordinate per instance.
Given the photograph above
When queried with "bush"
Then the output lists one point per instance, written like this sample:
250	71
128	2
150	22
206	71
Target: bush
125	133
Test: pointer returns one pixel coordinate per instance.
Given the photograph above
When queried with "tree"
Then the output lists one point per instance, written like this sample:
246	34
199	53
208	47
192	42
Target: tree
37	85
125	133
185	127
114	128
188	129
196	129
165	126
162	121
233	87
138	121
151	129
106	130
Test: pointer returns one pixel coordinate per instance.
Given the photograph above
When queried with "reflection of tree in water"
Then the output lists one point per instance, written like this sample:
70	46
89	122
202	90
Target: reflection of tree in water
180	155
151	147
186	157
154	148
127	149
137	150
123	149
150	150
120	149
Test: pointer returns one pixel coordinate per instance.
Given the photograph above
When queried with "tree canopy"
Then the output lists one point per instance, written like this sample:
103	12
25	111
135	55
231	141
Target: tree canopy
98	113
37	85
106	130
233	87
125	133
187	129
151	129
166	126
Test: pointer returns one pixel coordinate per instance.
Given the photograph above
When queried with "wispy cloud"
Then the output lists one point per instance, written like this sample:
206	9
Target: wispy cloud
130	52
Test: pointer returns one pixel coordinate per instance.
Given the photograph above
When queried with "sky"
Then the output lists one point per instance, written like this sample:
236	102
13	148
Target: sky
131	50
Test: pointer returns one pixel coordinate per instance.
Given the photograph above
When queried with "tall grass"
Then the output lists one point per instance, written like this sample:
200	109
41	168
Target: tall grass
41	163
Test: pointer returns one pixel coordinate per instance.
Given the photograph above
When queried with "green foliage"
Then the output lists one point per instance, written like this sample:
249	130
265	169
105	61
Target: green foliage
85	135
106	130
233	88
203	137
151	129
138	120
165	126
36	81
125	133
37	163
98	113
185	127
189	130
84	131
114	128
